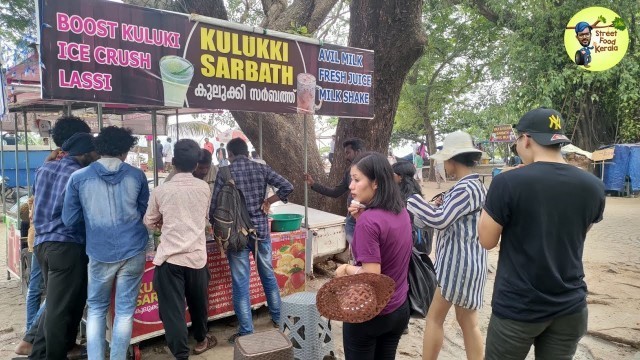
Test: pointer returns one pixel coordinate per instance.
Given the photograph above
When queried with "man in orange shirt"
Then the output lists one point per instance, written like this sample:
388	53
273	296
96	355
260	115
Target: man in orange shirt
208	146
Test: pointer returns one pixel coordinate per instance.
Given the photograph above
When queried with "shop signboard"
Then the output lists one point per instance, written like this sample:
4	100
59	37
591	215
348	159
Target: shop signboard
502	133
108	52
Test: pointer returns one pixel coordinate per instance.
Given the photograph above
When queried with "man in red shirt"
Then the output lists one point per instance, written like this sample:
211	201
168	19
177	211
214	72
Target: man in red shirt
208	146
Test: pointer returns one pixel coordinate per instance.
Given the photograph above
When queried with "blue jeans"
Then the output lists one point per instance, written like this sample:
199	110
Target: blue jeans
127	275
349	228
34	293
240	273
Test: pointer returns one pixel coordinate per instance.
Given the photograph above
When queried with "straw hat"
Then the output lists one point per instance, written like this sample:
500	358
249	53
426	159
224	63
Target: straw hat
456	143
355	298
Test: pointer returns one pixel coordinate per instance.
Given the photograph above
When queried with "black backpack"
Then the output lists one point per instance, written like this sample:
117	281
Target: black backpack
232	226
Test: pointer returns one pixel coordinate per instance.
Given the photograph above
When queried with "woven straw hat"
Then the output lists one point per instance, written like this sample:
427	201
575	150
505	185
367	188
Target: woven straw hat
355	298
456	143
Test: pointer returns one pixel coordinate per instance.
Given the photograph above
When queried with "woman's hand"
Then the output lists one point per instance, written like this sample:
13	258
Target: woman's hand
438	201
355	209
342	270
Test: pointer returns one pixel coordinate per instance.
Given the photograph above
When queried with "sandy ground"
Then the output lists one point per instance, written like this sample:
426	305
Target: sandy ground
612	266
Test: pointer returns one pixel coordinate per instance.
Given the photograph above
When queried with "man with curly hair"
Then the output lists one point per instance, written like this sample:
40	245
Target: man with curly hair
60	250
111	197
64	128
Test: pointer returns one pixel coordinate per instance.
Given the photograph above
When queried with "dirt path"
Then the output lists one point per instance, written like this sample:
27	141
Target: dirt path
612	267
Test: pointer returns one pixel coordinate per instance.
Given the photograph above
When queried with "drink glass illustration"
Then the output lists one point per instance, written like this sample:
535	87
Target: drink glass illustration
176	73
307	94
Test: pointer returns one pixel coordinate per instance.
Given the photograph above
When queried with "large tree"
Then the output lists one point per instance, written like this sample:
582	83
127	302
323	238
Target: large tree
393	29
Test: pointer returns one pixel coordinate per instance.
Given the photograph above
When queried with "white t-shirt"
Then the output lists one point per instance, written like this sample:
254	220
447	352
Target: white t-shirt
167	149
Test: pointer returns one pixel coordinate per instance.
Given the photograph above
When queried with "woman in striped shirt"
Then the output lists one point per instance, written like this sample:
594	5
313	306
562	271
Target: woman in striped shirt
461	262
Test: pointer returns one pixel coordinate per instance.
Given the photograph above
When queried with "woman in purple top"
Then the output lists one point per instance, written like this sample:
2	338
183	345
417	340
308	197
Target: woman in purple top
381	244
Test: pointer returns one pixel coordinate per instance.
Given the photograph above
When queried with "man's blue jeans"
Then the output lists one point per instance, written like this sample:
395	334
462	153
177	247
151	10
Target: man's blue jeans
349	228
34	293
240	273
126	275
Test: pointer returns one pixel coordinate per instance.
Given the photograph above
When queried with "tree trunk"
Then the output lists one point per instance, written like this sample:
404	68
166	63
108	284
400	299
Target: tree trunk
393	29
431	145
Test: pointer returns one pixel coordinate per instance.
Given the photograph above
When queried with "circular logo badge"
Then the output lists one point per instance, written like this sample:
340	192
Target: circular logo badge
596	39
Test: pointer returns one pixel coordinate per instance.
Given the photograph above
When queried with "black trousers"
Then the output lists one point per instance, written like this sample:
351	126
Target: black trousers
555	339
376	339
64	267
174	283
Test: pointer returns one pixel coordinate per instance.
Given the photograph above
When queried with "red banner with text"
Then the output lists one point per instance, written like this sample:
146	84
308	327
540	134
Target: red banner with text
103	51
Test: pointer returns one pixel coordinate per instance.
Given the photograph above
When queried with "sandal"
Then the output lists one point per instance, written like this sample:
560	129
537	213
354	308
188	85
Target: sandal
211	343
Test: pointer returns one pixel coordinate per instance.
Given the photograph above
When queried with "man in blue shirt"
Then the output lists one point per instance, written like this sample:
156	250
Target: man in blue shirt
111	196
60	250
64	128
252	178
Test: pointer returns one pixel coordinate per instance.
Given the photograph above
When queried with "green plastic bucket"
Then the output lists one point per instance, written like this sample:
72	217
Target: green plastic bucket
285	222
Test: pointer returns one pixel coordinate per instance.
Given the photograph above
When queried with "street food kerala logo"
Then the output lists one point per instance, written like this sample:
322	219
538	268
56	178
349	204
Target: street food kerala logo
554	122
596	38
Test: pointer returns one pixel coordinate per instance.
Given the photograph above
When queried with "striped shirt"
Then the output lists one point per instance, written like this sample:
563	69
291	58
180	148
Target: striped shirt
48	190
461	262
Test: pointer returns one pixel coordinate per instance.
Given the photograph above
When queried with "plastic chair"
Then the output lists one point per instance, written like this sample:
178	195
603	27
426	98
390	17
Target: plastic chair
309	333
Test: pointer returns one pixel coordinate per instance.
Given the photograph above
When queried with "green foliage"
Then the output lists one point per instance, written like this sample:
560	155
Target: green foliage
598	107
618	23
17	30
459	58
299	30
522	64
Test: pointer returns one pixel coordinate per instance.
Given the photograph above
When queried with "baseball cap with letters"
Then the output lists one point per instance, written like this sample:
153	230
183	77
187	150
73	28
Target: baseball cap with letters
544	125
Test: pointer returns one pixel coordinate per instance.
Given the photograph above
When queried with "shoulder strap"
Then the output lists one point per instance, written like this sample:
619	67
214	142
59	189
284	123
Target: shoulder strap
226	175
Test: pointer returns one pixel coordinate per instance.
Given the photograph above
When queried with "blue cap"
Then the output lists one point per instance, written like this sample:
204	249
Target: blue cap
582	25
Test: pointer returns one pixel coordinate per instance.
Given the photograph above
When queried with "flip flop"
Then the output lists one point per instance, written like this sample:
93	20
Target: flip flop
211	343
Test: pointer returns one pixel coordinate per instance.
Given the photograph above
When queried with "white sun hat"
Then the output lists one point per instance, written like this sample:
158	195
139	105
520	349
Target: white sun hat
456	143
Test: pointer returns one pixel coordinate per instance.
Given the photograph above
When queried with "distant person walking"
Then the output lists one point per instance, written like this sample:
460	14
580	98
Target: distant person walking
159	155
167	150
221	156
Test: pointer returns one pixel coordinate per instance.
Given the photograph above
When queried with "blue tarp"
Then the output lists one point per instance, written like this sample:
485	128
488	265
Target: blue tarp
634	168
625	162
36	159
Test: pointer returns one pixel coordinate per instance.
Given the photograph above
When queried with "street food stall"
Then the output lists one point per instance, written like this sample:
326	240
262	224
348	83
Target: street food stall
122	59
288	250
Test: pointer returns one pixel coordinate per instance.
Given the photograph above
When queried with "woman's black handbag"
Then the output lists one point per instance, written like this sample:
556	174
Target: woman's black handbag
422	283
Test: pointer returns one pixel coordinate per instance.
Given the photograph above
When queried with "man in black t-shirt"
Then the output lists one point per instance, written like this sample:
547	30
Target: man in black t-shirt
542	211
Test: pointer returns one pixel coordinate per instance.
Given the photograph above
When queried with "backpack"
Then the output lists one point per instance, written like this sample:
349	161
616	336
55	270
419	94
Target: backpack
232	226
